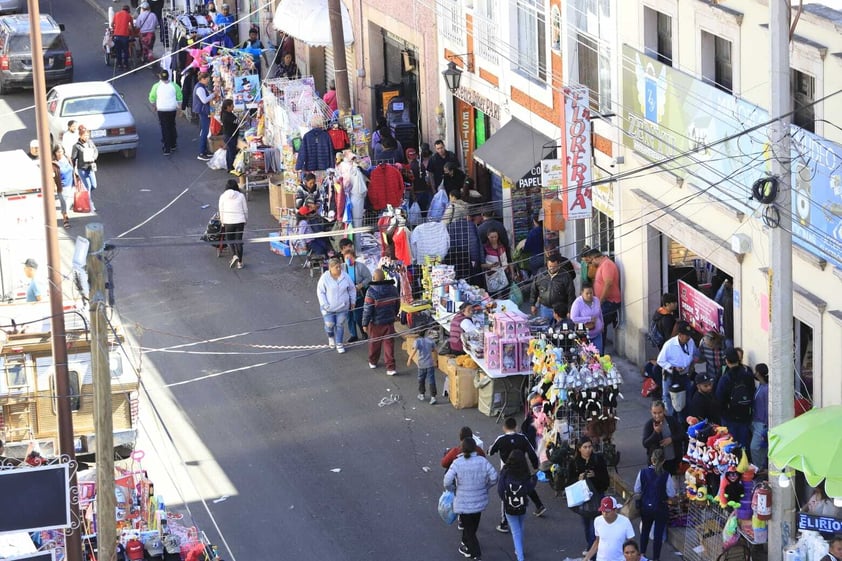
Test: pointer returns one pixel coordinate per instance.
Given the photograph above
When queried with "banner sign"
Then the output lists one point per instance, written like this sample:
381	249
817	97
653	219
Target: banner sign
702	313
576	147
824	524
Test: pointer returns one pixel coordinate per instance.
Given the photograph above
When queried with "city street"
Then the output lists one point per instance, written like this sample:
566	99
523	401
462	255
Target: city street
278	447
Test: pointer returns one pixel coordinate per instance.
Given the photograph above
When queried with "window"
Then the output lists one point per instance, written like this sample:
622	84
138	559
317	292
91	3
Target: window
657	35
485	26
450	20
530	49
717	66
803	88
74	389
594	71
15	373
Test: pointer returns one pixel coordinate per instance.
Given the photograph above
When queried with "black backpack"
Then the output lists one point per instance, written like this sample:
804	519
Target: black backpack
654	335
515	498
742	398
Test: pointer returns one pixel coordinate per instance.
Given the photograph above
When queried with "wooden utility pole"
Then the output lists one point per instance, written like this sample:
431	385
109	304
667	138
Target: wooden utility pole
103	421
781	378
67	449
340	66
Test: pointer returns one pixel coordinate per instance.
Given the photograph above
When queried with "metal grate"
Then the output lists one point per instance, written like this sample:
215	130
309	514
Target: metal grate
703	534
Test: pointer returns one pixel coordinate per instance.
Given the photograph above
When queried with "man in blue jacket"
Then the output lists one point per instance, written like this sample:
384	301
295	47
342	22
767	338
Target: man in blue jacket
380	308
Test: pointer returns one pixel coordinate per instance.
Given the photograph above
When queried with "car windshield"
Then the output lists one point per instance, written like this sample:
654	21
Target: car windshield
93	105
49	42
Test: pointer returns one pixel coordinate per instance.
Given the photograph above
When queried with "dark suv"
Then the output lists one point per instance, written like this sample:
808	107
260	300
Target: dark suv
16	52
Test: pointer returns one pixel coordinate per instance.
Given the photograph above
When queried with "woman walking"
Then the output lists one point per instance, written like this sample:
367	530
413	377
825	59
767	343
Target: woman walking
233	213
475	476
514	486
84	159
654	487
586	310
588	466
336	293
63	178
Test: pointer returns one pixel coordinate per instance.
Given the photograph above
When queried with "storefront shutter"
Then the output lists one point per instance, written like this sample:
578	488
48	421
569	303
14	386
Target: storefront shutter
351	66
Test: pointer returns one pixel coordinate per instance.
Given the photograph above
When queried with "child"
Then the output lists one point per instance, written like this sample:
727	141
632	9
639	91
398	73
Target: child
423	347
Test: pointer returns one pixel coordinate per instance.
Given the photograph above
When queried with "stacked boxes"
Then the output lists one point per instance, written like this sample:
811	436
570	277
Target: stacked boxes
463	393
506	348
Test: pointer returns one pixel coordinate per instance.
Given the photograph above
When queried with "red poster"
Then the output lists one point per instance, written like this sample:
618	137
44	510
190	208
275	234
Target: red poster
698	310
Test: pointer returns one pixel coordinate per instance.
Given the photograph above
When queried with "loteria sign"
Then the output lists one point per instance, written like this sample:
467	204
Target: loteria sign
576	140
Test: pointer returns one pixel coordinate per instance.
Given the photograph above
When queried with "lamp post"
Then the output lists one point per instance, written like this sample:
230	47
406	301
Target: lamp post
452	76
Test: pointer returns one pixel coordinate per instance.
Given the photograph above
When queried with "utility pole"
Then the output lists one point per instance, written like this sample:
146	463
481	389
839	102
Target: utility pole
781	379
73	538
340	66
103	421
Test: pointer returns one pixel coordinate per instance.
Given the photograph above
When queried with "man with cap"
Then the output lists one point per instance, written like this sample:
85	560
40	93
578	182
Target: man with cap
461	323
167	96
612	529
703	404
146	24
675	358
735	391
33	292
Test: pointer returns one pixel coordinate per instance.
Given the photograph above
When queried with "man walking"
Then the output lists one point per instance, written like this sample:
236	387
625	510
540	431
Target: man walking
675	359
380	308
121	29
553	288
612	529
201	107
505	443
166	95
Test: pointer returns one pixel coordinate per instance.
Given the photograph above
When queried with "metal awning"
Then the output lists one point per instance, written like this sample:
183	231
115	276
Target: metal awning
514	150
308	21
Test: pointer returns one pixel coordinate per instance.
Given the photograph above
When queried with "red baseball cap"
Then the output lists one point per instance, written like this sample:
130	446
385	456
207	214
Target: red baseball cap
609	503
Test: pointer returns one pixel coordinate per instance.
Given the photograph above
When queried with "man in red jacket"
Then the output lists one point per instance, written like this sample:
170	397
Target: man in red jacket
121	28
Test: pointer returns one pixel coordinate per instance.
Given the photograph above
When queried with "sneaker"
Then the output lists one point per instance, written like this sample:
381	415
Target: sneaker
372	366
167	152
239	264
203	157
459	526
433	400
540	511
340	349
503	528
331	342
421	397
233	262
390	372
464	551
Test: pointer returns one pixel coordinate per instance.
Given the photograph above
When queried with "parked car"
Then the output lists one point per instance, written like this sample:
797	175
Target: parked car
13	7
16	52
99	107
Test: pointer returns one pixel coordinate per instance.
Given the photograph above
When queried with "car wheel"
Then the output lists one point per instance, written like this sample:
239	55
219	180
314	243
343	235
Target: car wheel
130	154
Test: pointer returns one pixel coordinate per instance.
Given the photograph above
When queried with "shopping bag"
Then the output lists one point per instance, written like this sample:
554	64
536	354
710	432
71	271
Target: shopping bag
515	293
81	200
218	160
578	493
446	507
215	126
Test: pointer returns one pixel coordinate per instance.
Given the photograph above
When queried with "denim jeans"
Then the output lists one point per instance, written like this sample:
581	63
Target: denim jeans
659	519
590	535
204	129
335	325
599	343
545	312
516	528
759	444
88	178
121	49
427	376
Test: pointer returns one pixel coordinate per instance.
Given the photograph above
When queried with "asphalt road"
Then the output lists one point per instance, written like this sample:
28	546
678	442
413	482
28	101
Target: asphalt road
276	453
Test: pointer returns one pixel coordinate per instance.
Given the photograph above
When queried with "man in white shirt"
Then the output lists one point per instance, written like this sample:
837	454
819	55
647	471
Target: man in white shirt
70	137
675	358
612	529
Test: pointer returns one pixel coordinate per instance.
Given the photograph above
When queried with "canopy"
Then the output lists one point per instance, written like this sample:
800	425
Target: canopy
810	443
308	21
514	150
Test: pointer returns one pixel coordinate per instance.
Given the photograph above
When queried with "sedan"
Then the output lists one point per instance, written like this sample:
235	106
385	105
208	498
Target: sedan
13	6
99	107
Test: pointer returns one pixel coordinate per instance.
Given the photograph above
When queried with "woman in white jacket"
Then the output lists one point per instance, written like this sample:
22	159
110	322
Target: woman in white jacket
234	213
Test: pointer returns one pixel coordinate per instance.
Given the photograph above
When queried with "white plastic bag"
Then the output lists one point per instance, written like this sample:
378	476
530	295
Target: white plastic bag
217	161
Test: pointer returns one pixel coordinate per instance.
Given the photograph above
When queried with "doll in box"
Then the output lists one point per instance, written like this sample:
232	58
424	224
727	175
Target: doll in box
509	355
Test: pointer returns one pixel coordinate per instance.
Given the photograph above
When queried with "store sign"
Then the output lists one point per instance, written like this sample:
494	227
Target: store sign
479	101
532	180
465	130
702	313
552	176
576	147
824	524
669	112
603	195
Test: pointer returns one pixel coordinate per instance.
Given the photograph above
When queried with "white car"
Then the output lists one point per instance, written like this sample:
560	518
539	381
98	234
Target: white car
99	107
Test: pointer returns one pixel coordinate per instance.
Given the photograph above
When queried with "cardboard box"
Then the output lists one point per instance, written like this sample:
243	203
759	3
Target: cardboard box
463	393
447	365
279	197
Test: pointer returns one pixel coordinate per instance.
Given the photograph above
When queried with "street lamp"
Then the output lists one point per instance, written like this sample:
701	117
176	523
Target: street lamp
452	77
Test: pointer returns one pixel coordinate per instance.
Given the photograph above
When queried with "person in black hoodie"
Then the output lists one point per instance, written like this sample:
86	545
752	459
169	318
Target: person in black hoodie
663	432
704	404
504	444
586	465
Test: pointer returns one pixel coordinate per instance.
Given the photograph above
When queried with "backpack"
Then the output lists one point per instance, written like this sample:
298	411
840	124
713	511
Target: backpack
654	335
515	498
741	399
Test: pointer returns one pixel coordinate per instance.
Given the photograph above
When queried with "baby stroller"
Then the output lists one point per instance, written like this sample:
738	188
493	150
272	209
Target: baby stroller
215	234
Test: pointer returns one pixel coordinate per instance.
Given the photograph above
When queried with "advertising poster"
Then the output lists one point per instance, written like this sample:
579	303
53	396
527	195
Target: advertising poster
702	313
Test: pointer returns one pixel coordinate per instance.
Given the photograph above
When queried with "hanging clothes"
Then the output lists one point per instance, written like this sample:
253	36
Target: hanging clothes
429	239
385	187
400	238
316	152
359	190
339	138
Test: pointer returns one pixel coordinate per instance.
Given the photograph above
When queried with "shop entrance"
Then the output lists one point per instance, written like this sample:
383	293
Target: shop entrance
397	97
803	339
